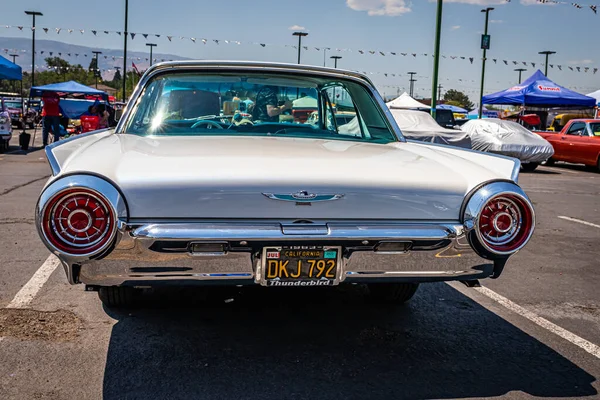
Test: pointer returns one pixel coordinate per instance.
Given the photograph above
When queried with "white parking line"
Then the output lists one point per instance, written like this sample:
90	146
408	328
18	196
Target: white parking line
579	221
568	171
31	288
544	323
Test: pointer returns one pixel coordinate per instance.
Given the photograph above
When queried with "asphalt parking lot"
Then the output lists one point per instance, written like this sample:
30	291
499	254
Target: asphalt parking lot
533	332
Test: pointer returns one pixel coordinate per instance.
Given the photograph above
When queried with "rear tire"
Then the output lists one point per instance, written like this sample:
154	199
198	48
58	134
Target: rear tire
529	167
550	162
117	296
392	293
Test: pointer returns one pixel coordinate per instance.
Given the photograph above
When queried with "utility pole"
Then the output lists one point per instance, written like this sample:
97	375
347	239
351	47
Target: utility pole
151	45
436	57
14	56
440	87
485	45
325	56
33	14
546	53
411	83
300	35
520	70
335	60
96	70
125	52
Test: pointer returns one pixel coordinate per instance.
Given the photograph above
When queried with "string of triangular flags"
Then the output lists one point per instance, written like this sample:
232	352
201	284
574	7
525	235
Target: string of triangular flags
560	67
579	6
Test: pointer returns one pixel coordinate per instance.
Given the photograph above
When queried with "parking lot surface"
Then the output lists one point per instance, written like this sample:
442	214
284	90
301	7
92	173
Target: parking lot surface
535	331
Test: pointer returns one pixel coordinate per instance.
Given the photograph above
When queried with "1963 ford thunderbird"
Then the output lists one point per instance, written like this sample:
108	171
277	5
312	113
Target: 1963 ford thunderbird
216	174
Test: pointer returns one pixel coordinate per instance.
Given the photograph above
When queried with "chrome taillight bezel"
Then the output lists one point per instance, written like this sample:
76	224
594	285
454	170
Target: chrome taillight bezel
473	213
64	237
91	185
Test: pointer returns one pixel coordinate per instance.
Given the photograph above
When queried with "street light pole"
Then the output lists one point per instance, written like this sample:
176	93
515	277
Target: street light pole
487	16
436	57
300	35
14	56
325	56
440	91
520	70
33	14
96	69
411	83
335	60
125	33
546	53
151	45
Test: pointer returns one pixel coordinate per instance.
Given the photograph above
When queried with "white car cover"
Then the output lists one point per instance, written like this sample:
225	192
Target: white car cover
419	125
508	138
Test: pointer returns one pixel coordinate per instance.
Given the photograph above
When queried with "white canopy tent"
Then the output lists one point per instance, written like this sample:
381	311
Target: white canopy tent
406	102
595	95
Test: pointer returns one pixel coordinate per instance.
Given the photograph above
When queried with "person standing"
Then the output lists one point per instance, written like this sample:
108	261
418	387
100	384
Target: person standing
50	116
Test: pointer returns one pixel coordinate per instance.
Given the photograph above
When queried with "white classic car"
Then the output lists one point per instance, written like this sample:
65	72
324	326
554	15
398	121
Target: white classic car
180	193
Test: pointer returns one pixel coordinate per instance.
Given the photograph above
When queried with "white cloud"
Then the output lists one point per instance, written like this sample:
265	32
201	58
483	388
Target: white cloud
389	8
297	28
455	27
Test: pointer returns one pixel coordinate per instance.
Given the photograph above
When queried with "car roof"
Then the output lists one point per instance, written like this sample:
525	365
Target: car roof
253	65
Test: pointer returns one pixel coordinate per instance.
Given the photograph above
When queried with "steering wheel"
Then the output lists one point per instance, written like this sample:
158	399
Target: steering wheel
209	124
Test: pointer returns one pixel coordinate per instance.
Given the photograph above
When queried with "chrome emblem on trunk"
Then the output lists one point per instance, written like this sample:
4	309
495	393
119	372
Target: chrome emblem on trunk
303	196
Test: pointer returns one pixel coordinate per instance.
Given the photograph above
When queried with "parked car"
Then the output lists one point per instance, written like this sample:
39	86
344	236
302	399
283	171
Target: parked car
181	195
508	138
19	118
578	142
419	125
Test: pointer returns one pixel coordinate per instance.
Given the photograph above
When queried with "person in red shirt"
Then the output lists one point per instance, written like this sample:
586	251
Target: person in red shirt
51	116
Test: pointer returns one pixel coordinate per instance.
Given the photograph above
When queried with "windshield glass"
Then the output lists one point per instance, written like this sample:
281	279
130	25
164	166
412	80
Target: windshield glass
258	104
13	104
595	128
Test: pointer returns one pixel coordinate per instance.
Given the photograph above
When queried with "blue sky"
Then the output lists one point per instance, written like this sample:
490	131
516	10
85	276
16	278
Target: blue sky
519	29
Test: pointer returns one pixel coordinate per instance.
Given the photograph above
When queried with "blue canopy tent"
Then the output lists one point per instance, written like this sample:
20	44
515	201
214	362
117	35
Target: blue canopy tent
474	114
10	71
452	108
539	91
65	88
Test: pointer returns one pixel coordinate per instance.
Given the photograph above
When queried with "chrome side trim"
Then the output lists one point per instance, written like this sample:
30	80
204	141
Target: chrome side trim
54	165
514	176
108	191
479	200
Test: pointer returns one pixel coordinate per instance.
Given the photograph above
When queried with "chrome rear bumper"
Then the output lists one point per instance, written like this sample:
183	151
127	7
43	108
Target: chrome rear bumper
162	253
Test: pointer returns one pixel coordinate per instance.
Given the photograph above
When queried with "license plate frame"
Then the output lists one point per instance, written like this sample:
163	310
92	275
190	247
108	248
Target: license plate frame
264	275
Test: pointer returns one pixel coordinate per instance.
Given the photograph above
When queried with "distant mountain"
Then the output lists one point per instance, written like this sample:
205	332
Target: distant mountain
62	50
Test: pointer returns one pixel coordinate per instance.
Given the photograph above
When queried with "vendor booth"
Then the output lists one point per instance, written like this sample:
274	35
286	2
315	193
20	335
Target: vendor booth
540	92
76	101
10	71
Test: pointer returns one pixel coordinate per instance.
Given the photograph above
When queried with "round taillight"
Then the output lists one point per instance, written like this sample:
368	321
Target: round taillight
79	221
505	223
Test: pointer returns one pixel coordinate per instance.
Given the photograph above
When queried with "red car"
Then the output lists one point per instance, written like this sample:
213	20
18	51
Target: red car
578	142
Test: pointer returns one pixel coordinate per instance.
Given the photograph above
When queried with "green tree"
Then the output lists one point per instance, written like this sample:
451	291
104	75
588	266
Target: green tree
458	98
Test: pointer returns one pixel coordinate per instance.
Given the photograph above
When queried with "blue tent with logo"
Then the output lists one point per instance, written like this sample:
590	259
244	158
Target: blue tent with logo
9	70
65	88
539	91
485	113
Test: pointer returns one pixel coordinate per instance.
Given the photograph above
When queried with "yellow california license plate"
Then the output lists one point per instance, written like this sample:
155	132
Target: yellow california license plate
300	265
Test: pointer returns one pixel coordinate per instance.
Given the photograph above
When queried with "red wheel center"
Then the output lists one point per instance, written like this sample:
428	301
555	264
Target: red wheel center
79	220
503	222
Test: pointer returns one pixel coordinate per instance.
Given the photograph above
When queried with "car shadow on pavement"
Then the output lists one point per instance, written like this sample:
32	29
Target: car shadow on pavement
318	344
